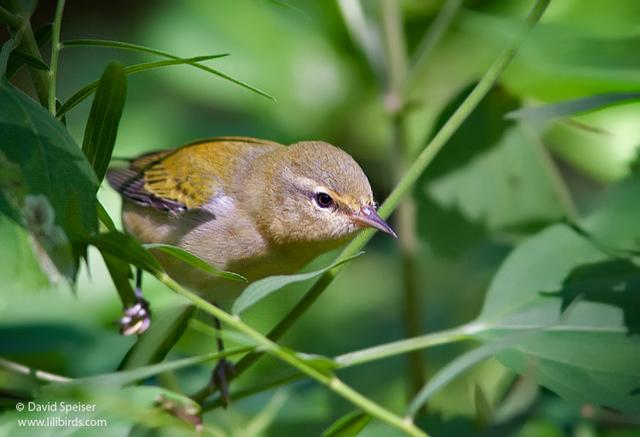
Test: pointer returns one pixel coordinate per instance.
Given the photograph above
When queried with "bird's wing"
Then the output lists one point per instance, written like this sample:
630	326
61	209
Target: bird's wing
180	179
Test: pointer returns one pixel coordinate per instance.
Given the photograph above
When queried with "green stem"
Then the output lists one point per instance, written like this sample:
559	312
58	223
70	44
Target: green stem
394	39
55	53
397	64
455	121
40	375
412	175
331	381
293	315
461	333
356	358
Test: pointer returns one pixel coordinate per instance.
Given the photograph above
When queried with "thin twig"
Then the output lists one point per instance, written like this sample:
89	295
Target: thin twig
40	375
397	66
461	333
395	45
55	53
363	356
327	379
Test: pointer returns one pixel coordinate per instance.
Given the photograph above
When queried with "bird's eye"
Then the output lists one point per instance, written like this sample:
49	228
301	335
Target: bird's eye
323	200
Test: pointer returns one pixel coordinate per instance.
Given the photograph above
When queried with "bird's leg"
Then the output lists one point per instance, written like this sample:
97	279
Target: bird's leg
136	318
224	370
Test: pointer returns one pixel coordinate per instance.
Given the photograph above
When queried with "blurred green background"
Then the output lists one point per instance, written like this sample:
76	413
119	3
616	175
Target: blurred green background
495	183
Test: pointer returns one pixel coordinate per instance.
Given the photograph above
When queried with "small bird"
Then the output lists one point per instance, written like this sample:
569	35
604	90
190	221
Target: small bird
245	205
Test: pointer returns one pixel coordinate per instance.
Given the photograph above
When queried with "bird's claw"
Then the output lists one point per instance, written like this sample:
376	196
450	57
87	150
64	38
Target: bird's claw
220	377
136	318
189	412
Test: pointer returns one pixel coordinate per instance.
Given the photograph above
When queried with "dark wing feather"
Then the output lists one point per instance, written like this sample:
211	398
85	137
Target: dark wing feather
129	182
183	178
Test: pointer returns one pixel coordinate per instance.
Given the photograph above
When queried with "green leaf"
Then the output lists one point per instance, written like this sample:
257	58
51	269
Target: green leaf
614	281
507	188
348	425
568	358
120	272
519	400
286	5
449	231
165	331
102	124
8	47
321	363
46	183
29	60
479	132
484	412
85	92
105	218
448	227
126	248
42	36
586	63
262	288
139	48
20	269
458	366
127	377
118	410
194	261
572	107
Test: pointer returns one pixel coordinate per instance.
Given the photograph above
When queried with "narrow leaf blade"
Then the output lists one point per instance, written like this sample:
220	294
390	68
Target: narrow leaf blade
194	261
26	58
322	364
572	107
127	248
105	218
132	375
259	290
139	48
102	125
461	364
348	425
85	92
120	272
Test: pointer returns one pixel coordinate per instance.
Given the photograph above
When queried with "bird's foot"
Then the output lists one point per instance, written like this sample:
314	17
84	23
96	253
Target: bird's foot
188	412
220	377
136	318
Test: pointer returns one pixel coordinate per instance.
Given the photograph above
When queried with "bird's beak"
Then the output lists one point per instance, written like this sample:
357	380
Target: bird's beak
369	217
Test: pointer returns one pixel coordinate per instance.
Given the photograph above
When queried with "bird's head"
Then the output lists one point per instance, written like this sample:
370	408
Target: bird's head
320	195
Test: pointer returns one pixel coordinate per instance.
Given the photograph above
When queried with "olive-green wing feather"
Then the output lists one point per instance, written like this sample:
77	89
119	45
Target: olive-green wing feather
183	178
131	183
